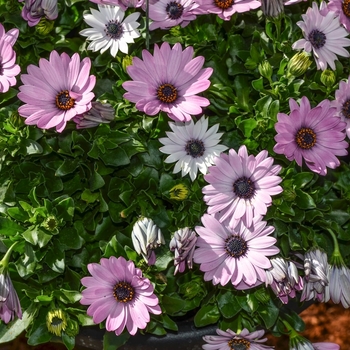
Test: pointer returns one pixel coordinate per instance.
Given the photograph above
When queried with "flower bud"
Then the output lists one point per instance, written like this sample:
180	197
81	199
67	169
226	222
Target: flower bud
298	64
265	70
56	322
127	61
178	192
328	78
45	26
272	8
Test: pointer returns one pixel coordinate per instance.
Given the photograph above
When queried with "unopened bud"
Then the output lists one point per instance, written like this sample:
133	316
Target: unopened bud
272	8
45	26
299	64
265	70
328	78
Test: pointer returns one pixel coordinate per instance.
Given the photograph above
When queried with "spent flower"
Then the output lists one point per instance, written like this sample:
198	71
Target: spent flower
147	236
183	245
118	293
34	10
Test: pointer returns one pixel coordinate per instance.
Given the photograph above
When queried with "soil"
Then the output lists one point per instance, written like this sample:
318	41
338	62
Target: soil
324	322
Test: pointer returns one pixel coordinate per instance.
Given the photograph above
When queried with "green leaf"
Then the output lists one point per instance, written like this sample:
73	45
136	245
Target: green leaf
303	200
55	258
40	335
207	314
68	341
96	181
168	323
67	167
247	126
228	304
9	227
15	328
36	236
269	313
112	342
172	303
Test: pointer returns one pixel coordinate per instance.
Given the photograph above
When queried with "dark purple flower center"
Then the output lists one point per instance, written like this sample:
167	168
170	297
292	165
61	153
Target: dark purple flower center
223	4
64	101
195	148
317	39
174	10
236	246
346	109
244	188
114	29
239	344
167	93
123	292
305	138
346	8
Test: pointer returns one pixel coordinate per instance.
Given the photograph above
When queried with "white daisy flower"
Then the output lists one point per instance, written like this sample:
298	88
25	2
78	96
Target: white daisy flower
192	146
109	31
323	35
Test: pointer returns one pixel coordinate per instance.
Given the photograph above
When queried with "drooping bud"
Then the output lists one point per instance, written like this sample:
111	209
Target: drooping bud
272	8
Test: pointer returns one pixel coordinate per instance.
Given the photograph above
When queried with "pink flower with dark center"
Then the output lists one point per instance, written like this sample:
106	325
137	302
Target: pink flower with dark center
342	9
226	8
231	340
168	81
315	135
169	13
8	67
56	91
236	255
118	293
241	186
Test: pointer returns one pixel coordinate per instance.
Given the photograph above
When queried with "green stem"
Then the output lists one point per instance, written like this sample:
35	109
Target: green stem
292	332
6	259
335	241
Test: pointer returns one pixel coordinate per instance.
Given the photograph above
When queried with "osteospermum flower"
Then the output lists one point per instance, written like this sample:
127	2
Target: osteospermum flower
315	135
192	146
146	237
168	13
231	340
183	244
33	10
315	279
342	103
323	35
241	186
226	8
10	36
56	91
342	9
168	81
284	279
118	293
8	67
236	255
109	30
298	342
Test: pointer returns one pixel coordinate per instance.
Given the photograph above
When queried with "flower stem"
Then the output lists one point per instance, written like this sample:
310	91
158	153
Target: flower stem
6	259
335	241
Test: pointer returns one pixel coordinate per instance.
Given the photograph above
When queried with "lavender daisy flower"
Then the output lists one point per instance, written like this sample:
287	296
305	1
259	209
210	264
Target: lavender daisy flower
109	30
315	135
10	36
100	113
241	186
342	9
192	146
146	236
183	244
33	10
284	279
324	35
118	293
56	91
231	340
342	103
8	67
168	81
315	280
226	8
235	255
166	13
